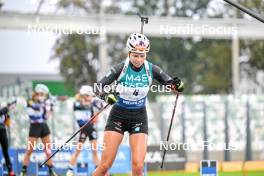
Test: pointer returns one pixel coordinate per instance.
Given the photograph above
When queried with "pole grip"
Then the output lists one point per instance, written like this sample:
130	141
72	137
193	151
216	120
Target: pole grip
143	21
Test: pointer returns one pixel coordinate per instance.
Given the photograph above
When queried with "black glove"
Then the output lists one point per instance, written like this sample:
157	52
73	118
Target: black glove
111	99
177	84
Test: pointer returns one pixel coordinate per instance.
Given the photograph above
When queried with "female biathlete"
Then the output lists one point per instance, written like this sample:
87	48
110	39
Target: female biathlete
4	122
38	111
84	108
133	76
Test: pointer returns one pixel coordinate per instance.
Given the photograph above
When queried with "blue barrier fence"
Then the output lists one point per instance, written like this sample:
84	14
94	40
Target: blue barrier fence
61	161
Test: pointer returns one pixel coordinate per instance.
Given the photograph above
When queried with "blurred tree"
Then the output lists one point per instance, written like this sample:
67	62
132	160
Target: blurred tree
91	6
204	65
117	48
254	49
214	67
78	56
252	59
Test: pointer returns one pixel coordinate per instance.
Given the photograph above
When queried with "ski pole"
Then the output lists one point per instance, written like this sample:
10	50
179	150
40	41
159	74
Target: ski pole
168	136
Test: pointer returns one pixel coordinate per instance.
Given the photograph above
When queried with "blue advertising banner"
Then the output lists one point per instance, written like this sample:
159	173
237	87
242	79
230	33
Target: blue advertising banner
122	161
84	166
60	162
85	163
121	164
13	158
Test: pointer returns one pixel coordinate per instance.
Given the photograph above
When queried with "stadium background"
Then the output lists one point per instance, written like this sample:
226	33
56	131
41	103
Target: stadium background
223	103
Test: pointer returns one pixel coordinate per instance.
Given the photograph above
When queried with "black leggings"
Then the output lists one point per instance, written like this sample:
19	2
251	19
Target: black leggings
4	144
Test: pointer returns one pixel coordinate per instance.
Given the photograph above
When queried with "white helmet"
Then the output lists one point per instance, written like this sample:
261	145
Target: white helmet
3	104
41	88
86	90
138	43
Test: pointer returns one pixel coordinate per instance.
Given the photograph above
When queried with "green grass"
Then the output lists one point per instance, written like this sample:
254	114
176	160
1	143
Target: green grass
197	174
